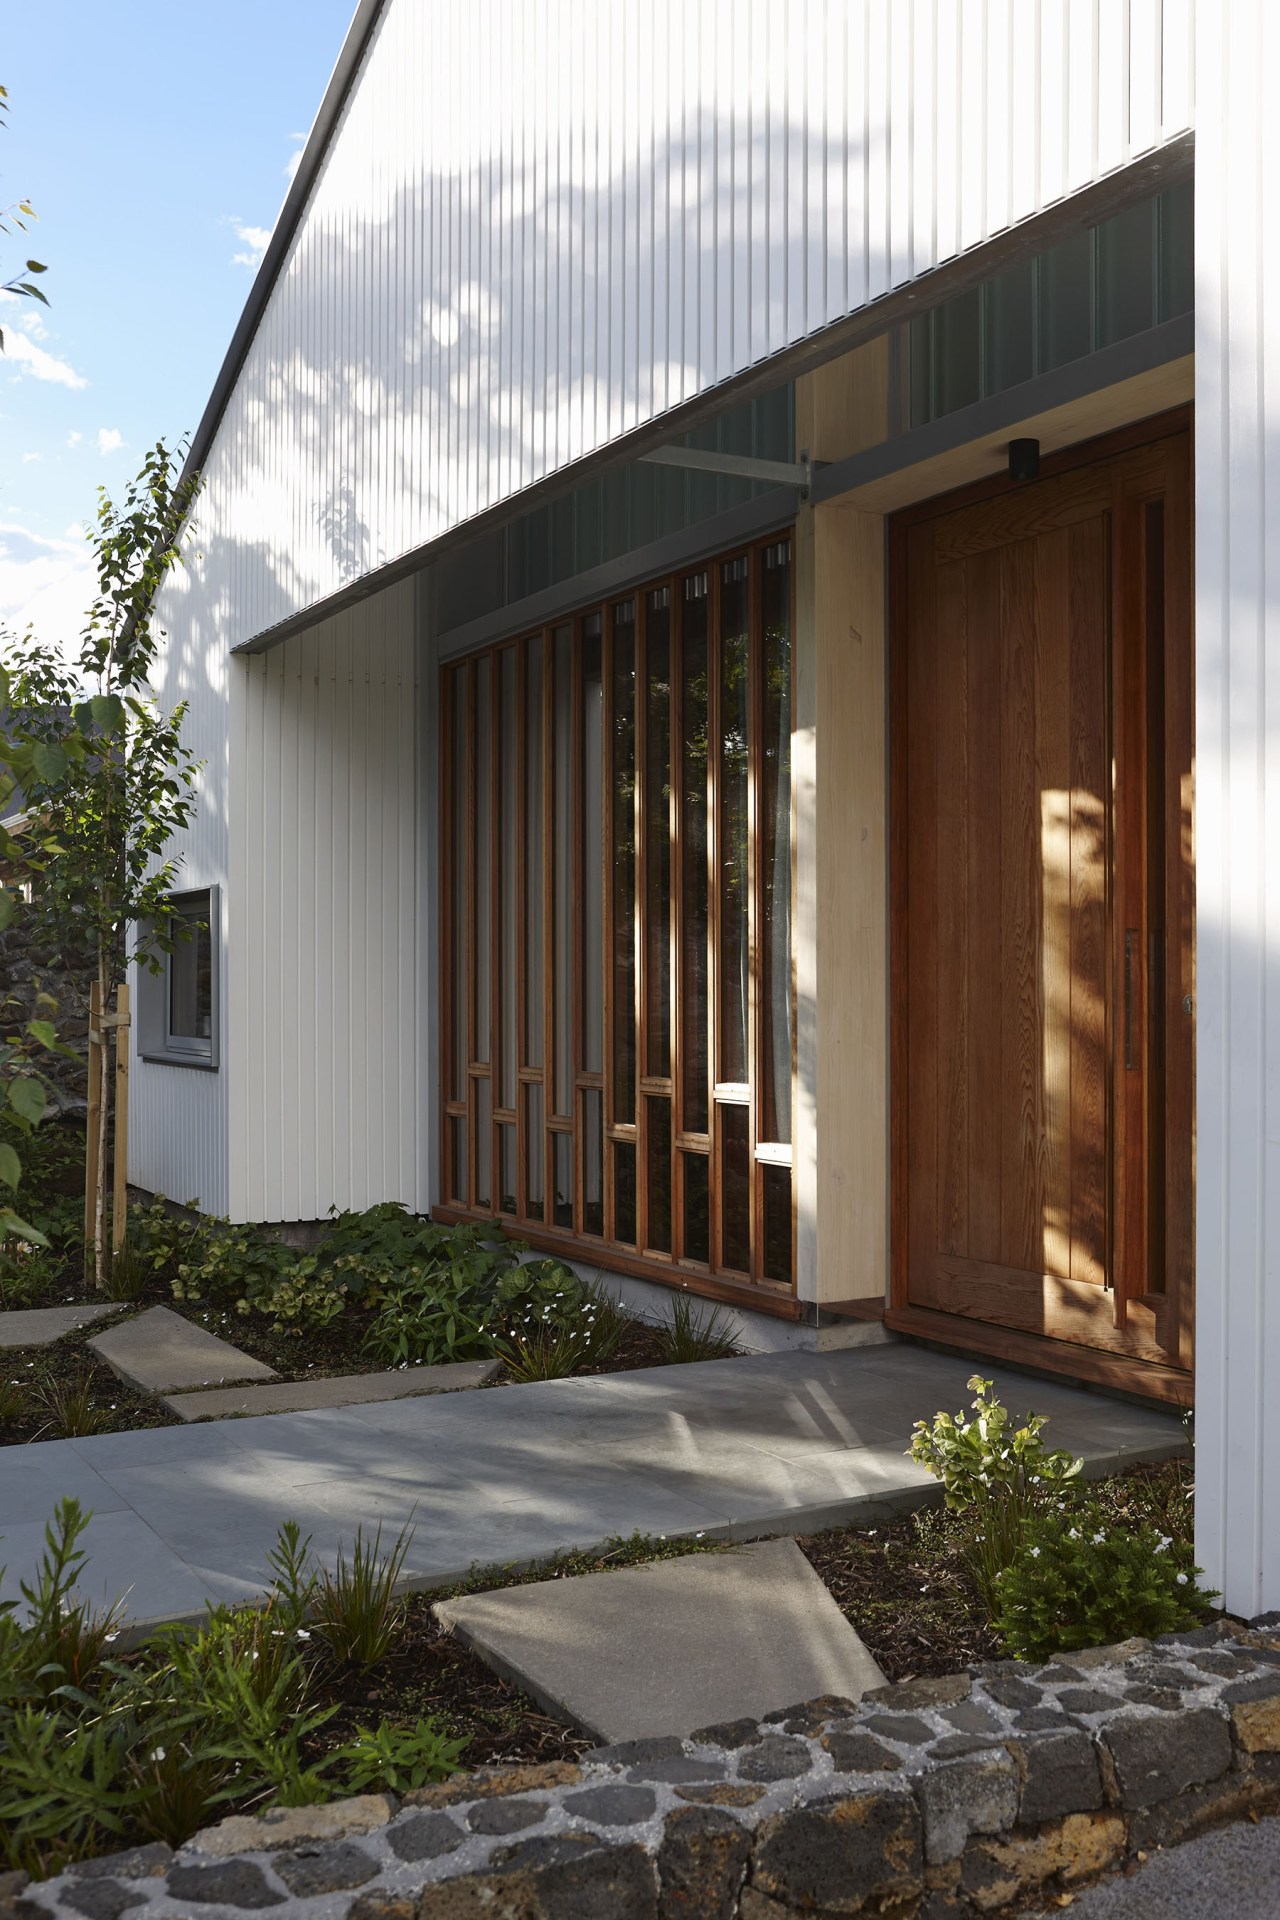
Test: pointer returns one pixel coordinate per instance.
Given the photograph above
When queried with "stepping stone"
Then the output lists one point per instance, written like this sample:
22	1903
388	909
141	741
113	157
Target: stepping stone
41	1326
161	1352
669	1647
348	1390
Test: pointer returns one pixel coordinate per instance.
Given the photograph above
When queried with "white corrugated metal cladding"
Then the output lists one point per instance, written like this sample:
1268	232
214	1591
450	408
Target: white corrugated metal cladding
1238	804
542	223
539	225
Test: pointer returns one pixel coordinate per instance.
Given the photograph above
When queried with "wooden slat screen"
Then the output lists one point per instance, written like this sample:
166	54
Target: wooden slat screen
618	1031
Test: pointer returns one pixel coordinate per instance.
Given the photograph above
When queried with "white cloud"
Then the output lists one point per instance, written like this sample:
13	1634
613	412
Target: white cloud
109	439
45	583
26	357
254	240
74	439
294	161
27	458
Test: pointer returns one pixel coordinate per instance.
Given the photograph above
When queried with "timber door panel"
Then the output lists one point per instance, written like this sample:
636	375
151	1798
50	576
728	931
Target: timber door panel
1041	848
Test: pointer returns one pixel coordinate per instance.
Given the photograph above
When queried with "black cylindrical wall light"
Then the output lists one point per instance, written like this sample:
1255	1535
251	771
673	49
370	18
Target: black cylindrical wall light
1024	459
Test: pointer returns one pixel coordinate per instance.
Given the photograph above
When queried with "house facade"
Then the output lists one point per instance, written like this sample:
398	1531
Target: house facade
728	630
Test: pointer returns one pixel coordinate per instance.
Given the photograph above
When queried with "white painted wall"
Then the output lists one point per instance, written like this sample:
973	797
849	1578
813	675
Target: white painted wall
1238	803
324	1046
541	223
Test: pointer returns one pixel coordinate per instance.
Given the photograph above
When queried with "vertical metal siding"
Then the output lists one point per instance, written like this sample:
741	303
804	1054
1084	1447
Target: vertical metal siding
323	1044
539	226
1238	804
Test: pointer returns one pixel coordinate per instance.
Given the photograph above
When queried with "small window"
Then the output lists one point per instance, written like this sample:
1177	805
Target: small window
190	1012
178	1006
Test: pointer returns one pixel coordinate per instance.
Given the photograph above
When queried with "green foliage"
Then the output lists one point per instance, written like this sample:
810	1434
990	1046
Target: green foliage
390	1759
126	1274
105	773
98	1752
356	1611
695	1334
71	1406
551	1344
1075	1581
430	1319
997	1474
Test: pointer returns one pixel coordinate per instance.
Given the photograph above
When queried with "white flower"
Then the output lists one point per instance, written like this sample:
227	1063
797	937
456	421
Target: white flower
113	1636
157	1753
1164	1543
1182	1579
1035	1553
303	1634
1073	1533
1099	1539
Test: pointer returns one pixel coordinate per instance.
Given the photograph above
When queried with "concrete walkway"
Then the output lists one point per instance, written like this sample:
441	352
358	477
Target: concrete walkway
1235	1871
774	1443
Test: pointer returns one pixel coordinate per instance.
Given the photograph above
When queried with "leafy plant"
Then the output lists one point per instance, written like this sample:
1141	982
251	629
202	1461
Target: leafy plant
71	1406
693	1334
393	1759
1075	1581
997	1474
356	1611
64	1639
125	1275
431	1318
543	1348
13	1402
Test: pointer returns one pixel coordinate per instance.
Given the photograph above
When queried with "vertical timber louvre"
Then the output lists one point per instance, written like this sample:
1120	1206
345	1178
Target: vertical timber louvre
618	1030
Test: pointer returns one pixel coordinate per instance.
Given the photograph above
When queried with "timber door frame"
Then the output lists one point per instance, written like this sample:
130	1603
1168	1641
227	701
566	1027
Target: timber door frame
1151	1379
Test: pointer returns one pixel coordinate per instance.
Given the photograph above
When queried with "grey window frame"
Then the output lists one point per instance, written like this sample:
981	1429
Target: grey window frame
157	1043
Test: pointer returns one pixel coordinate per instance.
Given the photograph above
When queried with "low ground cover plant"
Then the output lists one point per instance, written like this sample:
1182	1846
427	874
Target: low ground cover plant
99	1749
1053	1567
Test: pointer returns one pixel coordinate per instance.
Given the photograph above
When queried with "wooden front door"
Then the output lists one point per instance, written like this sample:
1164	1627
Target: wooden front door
1043	913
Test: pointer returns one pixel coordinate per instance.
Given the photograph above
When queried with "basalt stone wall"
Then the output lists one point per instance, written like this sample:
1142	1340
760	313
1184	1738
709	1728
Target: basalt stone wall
30	967
957	1797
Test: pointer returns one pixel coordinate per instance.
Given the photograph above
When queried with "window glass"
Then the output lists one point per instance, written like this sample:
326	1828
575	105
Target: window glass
191	972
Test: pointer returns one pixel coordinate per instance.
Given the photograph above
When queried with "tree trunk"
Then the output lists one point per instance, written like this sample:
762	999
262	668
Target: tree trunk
100	1196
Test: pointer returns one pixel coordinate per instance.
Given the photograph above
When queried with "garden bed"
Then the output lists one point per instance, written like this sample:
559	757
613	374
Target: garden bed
383	1289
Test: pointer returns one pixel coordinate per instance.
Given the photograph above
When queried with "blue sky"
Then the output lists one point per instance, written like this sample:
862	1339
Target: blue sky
155	143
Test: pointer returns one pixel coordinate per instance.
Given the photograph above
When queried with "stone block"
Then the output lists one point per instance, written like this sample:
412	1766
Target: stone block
854	1751
616	1881
101	1899
336	1390
702	1863
150	1862
424	1836
963	1797
996	1872
294	1826
849	1856
1058	1774
1235	1796
779	1756
1088	1700
333	1869
614	1805
233	1883
1257	1724
1152	1757
906	1728
490	1780
721	1793
506	1815
908	1696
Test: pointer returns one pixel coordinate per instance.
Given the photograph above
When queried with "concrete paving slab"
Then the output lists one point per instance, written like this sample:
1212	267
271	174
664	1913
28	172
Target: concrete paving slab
161	1352
41	1326
519	1472
671	1646
343	1390
43	1472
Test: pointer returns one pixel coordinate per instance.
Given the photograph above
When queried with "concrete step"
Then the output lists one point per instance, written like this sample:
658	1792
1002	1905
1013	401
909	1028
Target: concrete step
672	1646
41	1326
161	1352
346	1390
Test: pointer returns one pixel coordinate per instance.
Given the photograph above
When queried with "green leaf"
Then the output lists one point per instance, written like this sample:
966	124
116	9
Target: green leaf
44	1031
26	1097
50	762
10	1165
108	712
8	907
14	1228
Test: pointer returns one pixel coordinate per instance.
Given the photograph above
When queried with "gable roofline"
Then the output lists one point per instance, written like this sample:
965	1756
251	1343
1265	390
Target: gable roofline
359	33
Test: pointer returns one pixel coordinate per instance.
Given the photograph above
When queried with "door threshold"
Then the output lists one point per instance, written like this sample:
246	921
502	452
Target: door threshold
1146	1380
